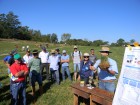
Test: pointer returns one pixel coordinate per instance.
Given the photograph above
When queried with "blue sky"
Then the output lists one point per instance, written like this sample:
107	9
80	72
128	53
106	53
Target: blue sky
107	20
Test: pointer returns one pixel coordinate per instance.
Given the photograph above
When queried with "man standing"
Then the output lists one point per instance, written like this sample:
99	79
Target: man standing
27	57
53	61
107	69
92	56
65	65
76	57
19	71
44	55
59	63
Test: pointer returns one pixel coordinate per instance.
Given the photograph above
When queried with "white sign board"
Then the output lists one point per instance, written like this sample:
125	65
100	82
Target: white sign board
128	87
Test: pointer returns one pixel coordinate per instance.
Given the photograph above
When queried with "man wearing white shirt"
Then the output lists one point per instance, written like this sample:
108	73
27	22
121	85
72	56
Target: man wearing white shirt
27	57
53	60
44	55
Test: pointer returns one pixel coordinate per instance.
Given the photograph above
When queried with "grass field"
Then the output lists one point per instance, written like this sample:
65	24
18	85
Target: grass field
52	94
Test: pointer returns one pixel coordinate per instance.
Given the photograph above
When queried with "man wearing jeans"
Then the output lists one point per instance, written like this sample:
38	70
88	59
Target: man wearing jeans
44	55
65	65
53	60
76	57
107	69
19	71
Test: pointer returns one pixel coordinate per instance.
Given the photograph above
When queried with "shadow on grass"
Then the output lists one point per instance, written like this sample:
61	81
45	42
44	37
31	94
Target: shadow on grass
4	93
3	77
33	100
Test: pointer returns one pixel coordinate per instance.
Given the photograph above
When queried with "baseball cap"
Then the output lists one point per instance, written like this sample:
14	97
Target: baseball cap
64	51
17	56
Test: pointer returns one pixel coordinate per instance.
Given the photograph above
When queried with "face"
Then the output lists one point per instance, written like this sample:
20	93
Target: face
75	49
92	51
86	58
28	53
18	61
104	53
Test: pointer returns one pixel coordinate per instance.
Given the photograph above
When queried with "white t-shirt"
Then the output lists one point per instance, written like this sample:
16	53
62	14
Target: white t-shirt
27	58
53	60
44	56
76	56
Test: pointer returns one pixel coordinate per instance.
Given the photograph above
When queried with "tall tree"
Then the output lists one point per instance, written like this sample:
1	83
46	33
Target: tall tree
120	42
132	41
65	37
54	38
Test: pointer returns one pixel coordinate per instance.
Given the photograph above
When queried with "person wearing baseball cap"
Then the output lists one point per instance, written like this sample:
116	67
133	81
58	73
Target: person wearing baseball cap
65	65
107	69
18	86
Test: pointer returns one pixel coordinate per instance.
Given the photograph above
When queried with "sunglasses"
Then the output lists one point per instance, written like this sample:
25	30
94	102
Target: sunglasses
86	56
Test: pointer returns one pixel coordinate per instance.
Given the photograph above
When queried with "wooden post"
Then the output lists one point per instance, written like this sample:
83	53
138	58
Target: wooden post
91	102
75	99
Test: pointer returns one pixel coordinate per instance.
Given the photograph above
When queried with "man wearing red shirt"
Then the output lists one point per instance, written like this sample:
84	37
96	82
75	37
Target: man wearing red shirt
19	71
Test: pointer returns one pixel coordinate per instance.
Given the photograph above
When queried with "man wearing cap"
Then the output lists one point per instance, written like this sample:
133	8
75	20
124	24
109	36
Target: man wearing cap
34	65
44	55
85	68
53	61
65	65
19	70
107	69
76	57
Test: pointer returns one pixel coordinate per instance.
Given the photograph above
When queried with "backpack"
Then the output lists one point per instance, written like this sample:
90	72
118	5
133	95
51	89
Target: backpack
79	54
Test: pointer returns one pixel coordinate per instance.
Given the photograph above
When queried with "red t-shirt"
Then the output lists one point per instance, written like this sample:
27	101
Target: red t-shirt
15	68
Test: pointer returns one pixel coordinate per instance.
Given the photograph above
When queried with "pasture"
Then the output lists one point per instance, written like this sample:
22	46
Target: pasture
52	94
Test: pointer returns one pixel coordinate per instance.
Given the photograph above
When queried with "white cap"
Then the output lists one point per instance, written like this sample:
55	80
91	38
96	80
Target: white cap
86	54
64	51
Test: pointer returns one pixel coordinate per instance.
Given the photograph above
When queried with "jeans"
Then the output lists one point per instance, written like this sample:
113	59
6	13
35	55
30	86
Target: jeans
18	91
76	65
109	86
46	66
66	68
55	75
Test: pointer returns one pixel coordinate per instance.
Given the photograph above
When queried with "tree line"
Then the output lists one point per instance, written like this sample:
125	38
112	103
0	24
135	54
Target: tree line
11	28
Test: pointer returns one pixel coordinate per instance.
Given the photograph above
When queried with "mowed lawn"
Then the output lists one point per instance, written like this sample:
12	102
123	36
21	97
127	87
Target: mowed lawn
52	94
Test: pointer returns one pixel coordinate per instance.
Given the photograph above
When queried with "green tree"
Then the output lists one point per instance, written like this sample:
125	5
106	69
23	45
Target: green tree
65	37
132	41
54	38
120	42
8	24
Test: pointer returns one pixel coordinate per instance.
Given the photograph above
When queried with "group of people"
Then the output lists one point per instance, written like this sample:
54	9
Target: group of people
56	65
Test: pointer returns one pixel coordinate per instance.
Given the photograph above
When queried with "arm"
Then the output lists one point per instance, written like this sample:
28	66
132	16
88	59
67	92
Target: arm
64	61
19	74
111	72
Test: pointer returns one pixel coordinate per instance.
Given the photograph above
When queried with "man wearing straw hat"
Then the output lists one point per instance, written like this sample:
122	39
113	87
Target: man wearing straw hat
107	69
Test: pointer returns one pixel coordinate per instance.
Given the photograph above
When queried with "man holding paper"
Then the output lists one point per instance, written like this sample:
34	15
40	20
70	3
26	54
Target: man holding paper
19	71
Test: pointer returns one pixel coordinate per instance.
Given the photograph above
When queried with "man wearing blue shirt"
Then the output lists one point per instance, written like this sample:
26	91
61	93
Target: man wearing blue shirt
106	74
65	65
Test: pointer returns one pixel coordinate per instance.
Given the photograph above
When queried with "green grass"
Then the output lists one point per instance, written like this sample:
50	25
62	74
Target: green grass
53	94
